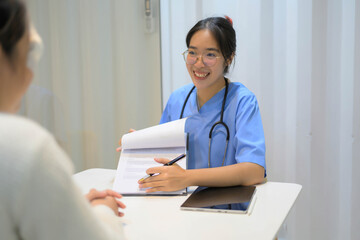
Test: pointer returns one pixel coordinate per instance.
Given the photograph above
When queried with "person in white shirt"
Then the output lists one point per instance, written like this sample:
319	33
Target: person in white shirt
38	197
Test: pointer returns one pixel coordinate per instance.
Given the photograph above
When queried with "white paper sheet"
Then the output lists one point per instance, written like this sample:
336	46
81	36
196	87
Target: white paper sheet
139	150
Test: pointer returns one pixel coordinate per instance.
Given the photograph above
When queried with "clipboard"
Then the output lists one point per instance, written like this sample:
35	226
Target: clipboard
139	149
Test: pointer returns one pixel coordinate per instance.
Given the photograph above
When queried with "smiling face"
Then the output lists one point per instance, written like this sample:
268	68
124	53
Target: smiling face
207	79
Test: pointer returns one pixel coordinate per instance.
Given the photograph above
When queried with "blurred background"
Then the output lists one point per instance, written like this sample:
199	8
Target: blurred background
110	65
98	77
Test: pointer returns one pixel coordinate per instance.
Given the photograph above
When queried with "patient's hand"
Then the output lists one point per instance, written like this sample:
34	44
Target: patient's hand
108	198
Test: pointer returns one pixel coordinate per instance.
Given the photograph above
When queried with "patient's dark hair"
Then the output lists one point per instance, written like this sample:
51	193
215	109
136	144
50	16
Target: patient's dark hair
12	24
223	32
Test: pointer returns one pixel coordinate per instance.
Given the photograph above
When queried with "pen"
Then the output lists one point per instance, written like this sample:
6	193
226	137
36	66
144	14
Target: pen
175	160
166	164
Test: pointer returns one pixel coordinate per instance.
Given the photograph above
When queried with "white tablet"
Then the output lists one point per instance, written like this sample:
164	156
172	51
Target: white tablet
237	199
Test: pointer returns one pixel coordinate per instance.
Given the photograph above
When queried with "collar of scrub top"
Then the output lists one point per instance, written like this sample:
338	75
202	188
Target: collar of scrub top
221	122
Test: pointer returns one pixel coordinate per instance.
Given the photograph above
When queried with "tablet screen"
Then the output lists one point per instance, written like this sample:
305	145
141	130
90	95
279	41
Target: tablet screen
237	199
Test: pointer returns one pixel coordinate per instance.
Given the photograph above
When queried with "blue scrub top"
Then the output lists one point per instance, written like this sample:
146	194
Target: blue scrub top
241	114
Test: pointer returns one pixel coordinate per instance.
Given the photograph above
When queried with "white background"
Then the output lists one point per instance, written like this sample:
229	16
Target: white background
98	77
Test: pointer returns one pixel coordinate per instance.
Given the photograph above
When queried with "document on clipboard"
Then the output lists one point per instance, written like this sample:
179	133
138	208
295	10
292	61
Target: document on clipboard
139	149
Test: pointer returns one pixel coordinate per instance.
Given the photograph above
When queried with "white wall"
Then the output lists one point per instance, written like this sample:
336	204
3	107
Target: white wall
99	75
300	59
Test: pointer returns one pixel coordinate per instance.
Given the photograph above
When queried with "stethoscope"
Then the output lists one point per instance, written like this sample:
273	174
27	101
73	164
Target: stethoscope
221	122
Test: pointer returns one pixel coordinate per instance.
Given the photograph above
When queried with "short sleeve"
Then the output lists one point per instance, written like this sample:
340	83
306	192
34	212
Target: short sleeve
249	137
165	117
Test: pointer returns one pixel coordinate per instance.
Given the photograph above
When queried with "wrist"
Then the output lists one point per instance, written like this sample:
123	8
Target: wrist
98	201
189	177
104	209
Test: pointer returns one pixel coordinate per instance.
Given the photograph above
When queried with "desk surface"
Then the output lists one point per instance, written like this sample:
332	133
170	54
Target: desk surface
160	217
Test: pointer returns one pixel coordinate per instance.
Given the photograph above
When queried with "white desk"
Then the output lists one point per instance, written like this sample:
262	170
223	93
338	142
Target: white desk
160	217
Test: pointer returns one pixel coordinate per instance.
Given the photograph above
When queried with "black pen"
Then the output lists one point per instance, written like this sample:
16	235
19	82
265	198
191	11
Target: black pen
166	164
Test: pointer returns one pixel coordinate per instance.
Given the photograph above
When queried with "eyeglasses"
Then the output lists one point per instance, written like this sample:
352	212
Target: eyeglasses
35	49
208	58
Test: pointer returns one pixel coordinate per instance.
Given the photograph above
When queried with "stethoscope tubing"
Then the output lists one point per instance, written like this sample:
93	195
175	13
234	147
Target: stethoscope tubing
221	122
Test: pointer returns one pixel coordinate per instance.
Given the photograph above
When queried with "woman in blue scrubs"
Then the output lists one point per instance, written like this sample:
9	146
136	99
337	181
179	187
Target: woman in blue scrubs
213	104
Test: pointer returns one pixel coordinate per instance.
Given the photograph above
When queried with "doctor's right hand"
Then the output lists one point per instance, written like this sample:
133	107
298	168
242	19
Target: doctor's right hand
165	178
119	148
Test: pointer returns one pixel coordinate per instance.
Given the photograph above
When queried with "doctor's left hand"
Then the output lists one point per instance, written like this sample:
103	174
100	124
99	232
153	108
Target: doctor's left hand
169	178
119	148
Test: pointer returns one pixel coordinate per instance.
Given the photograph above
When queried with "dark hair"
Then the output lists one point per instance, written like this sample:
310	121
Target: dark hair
223	32
12	24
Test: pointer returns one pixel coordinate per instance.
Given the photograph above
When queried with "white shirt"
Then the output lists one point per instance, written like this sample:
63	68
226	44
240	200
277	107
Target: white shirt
38	198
